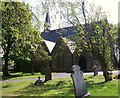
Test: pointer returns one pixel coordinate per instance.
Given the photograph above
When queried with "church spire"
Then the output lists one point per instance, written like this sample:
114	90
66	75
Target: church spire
47	22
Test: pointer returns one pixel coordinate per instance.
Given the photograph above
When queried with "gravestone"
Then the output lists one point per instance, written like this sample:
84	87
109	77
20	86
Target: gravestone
78	81
95	66
38	82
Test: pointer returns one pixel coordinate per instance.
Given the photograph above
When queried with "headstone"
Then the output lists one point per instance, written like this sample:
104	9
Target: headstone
38	82
78	81
95	67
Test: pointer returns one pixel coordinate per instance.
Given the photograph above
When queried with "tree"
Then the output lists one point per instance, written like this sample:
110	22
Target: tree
93	36
10	20
45	6
113	43
97	38
39	55
20	38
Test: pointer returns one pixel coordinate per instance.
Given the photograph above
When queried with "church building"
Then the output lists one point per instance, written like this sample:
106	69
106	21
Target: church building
63	49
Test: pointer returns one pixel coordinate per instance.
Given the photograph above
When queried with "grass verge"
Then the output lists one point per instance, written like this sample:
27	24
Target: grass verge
20	75
61	87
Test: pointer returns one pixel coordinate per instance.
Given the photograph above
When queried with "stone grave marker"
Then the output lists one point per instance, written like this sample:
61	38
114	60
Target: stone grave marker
78	82
95	66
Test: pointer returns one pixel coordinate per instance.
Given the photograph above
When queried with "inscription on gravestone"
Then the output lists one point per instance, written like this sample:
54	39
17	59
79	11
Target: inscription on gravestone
78	81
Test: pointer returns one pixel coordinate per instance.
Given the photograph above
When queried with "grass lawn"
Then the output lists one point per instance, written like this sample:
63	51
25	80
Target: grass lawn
21	75
60	87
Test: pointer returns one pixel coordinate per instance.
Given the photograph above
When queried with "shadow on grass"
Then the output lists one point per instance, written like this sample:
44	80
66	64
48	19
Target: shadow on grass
11	76
57	88
6	86
92	83
60	88
15	75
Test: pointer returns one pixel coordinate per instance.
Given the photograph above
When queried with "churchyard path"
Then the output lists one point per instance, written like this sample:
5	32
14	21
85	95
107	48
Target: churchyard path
57	75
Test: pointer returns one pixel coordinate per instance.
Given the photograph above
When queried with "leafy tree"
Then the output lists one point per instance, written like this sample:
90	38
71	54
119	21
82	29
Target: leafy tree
42	8
97	39
113	43
20	39
94	35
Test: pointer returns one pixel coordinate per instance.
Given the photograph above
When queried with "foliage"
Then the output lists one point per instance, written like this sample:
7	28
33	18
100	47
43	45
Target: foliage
40	55
97	34
94	35
20	38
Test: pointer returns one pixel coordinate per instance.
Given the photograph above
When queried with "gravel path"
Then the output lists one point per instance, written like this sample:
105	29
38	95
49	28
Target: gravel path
55	76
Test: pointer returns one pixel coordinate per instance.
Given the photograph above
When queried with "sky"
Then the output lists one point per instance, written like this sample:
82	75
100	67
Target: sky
110	6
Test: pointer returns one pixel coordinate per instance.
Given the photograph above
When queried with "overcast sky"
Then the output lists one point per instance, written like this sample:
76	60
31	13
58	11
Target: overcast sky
110	6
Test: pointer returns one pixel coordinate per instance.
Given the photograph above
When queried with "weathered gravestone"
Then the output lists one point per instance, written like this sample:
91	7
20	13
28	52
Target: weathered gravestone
78	81
38	82
95	66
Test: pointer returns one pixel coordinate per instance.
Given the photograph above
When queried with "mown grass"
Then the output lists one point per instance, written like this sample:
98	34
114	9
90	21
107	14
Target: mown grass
97	87
20	75
61	87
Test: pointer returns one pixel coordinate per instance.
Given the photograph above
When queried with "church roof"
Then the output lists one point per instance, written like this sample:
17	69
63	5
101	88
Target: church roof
52	36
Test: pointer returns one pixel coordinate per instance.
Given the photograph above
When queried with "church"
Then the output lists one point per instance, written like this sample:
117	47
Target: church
63	50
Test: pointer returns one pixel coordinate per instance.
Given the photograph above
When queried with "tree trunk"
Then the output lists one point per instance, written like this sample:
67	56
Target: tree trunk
115	61
16	66
106	74
32	70
119	64
5	67
6	57
48	76
32	65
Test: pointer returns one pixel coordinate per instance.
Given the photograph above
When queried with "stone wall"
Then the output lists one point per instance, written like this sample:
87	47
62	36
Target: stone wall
89	60
61	58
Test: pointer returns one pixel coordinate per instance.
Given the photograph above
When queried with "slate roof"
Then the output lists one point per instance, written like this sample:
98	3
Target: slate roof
52	36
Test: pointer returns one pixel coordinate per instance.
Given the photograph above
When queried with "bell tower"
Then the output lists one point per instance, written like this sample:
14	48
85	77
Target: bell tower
47	22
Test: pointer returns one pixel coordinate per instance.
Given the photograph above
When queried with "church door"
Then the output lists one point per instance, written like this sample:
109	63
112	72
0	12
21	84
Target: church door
82	63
